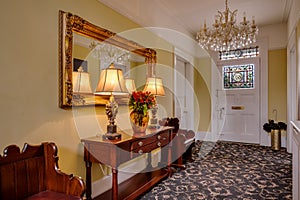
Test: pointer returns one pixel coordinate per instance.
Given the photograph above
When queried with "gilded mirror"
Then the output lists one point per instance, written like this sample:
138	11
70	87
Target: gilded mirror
85	49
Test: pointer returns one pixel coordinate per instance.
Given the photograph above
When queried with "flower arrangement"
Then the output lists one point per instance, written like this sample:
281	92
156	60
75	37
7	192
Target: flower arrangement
140	102
275	126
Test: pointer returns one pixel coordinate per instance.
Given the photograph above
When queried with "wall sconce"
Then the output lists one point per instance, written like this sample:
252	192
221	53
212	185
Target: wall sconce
81	85
129	82
155	86
111	83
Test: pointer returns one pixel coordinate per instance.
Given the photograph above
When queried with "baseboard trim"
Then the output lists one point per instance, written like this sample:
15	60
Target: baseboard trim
205	136
208	136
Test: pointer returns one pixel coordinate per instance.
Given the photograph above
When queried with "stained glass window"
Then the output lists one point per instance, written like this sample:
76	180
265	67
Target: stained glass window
239	53
238	77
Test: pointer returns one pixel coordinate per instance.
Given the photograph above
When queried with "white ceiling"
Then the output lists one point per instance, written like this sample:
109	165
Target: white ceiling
187	16
178	21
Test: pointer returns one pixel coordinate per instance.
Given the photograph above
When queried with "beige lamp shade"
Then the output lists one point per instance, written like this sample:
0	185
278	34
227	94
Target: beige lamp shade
129	82
81	82
155	86
111	82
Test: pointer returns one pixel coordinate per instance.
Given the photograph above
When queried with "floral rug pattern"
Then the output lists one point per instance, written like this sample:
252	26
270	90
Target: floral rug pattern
227	170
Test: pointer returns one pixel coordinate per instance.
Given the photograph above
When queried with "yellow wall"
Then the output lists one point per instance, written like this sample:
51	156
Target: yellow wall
93	63
29	59
29	93
164	67
277	91
202	85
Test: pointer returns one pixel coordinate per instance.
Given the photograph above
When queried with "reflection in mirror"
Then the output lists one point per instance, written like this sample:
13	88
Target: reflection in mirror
81	84
85	50
130	85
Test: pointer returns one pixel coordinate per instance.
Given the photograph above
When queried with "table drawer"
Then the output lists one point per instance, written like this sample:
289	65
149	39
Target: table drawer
163	138
147	148
142	142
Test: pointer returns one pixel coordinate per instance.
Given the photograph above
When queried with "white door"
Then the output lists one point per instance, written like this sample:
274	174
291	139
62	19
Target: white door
238	104
183	93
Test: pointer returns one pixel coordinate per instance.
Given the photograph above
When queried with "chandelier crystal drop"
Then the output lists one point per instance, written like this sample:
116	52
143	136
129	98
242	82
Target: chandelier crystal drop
225	34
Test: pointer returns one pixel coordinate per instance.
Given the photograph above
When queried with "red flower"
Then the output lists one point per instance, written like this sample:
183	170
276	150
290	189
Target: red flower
141	101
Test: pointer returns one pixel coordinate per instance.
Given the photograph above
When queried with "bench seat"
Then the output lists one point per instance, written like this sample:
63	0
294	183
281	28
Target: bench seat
52	195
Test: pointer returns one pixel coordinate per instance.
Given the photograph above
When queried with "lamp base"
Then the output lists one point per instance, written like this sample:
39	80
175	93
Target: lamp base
112	136
111	128
154	121
153	126
112	133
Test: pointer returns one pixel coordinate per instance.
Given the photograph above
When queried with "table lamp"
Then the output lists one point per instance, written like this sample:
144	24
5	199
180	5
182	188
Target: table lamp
155	86
111	83
81	85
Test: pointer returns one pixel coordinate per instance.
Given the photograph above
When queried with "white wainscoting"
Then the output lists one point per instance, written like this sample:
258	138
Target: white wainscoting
296	159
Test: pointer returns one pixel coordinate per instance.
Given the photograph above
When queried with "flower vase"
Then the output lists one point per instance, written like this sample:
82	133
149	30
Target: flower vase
139	121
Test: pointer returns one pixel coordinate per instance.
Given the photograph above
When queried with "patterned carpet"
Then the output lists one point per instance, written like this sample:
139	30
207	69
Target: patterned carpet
226	170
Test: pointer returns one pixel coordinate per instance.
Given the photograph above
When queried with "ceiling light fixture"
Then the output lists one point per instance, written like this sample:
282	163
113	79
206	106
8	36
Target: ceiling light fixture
225	34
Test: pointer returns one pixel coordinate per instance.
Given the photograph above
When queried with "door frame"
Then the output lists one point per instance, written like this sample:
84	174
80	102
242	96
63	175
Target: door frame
292	109
179	54
263	94
221	91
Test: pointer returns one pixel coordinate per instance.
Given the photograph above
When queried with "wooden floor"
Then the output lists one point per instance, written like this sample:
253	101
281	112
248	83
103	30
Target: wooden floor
136	185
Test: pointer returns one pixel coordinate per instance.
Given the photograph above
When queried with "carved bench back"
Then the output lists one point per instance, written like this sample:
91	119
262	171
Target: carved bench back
22	173
170	122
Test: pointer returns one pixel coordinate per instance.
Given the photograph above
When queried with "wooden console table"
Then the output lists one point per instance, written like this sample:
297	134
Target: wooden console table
115	152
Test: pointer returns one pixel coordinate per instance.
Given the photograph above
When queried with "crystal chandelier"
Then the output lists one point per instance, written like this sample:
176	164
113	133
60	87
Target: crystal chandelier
225	34
109	53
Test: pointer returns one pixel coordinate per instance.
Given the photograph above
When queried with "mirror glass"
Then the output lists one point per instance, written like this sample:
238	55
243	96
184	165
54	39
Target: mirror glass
86	49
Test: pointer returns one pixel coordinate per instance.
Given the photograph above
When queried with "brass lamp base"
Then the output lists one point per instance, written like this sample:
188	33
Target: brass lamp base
112	136
111	128
112	133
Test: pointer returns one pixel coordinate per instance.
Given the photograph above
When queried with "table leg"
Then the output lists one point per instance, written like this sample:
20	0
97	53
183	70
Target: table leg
88	180
169	160
115	184
149	160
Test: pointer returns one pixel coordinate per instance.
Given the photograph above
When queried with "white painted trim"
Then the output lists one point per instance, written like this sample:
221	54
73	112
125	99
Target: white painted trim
184	55
263	46
291	88
189	62
283	141
206	136
214	94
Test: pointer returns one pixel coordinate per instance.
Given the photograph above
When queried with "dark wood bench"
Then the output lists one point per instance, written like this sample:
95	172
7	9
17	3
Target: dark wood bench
33	173
183	142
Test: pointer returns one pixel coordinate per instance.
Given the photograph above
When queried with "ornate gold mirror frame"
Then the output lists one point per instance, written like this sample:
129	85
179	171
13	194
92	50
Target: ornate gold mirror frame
70	24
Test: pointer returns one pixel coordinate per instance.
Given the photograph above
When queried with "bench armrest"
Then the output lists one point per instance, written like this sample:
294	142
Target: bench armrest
58	181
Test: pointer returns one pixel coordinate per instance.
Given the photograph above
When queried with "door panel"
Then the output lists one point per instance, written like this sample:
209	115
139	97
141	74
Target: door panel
240	116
